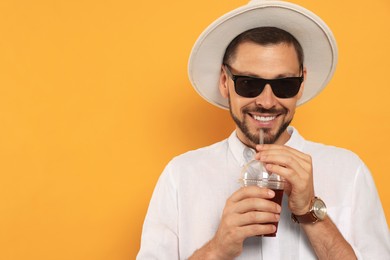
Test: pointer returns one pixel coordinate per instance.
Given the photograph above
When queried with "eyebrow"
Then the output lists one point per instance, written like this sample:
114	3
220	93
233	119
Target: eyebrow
250	74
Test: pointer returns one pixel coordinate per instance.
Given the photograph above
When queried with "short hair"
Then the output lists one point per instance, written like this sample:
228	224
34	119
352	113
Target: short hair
263	36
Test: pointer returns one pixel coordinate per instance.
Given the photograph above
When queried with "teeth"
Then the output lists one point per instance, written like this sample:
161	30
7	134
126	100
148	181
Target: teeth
264	118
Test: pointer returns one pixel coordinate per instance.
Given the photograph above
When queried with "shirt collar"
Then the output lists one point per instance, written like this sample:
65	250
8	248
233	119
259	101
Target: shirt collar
243	153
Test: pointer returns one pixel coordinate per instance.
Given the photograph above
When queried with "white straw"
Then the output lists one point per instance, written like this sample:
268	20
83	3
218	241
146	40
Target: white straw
261	136
261	141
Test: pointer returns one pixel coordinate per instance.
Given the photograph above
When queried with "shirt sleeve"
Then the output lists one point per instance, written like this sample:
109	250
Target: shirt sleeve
370	234
159	235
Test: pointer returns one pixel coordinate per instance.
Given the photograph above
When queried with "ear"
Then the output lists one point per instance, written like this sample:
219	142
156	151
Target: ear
300	93
223	83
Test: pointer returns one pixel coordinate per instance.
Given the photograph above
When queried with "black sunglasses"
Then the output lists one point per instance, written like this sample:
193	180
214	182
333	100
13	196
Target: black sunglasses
250	87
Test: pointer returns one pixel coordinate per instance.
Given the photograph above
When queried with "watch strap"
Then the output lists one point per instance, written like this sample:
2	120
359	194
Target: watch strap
309	217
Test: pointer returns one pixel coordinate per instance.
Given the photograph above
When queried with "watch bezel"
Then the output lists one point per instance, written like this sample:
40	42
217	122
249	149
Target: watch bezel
317	212
319	208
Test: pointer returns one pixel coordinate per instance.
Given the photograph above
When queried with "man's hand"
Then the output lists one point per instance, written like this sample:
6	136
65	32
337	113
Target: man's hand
247	213
296	168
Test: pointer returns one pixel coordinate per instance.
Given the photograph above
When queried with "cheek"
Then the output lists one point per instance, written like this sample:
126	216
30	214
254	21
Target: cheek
291	106
238	103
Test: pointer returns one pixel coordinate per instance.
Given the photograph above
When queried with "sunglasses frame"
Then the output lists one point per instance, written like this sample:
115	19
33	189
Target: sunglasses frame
267	81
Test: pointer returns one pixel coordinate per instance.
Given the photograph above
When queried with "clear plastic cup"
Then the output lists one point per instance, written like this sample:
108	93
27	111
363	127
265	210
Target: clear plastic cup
253	173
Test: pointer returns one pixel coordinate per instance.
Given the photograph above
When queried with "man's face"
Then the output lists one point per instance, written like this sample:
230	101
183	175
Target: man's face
265	111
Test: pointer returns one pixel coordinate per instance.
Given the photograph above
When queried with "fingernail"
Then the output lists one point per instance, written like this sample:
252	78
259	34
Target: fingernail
274	228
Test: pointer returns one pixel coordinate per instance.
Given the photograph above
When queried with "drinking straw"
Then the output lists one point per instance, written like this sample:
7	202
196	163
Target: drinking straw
261	141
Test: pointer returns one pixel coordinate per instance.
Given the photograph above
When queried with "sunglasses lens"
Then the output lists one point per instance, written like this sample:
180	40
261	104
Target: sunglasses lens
282	88
286	87
249	87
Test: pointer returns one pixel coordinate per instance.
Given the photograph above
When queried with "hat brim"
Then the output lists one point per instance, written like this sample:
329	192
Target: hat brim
316	39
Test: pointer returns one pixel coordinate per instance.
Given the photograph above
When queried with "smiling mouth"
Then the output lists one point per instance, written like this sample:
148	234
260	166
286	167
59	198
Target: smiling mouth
263	119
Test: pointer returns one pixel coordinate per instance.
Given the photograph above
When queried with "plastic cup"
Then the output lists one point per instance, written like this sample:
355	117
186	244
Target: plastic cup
253	173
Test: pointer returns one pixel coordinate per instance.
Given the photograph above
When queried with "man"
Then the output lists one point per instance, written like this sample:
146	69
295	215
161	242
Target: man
260	61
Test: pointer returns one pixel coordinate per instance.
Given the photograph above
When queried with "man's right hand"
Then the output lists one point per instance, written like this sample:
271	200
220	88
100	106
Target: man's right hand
247	213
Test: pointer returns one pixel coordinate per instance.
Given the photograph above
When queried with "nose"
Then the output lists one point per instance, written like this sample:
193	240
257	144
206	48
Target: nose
266	99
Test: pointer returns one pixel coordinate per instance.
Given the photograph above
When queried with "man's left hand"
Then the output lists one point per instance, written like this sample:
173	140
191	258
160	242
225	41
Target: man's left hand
297	170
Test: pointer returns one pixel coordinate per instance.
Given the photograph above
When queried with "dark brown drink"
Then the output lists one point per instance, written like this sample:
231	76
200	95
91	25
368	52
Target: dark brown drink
254	174
277	199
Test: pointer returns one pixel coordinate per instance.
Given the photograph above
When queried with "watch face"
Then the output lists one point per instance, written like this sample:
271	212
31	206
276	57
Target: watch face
319	209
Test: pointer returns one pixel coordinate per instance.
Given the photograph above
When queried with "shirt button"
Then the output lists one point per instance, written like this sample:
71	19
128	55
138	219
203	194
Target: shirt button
248	154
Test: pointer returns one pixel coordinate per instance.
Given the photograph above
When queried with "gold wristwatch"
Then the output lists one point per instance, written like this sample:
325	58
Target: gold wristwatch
316	213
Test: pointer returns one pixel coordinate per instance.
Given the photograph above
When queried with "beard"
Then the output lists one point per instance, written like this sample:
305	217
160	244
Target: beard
254	138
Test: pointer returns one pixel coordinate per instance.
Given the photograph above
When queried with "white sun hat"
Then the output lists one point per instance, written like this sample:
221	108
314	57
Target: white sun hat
315	37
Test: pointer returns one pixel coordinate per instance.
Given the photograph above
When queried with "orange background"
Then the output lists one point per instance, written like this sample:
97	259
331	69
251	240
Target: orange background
95	100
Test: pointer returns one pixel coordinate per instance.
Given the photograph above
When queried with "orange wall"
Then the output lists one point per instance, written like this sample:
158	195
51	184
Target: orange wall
95	100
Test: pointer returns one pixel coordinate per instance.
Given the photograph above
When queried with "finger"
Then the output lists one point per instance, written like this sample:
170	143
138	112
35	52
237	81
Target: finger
257	204
251	192
294	173
287	166
257	230
271	148
257	217
294	177
284	158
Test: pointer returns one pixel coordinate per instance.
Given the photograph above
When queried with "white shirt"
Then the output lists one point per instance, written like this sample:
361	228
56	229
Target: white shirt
189	198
